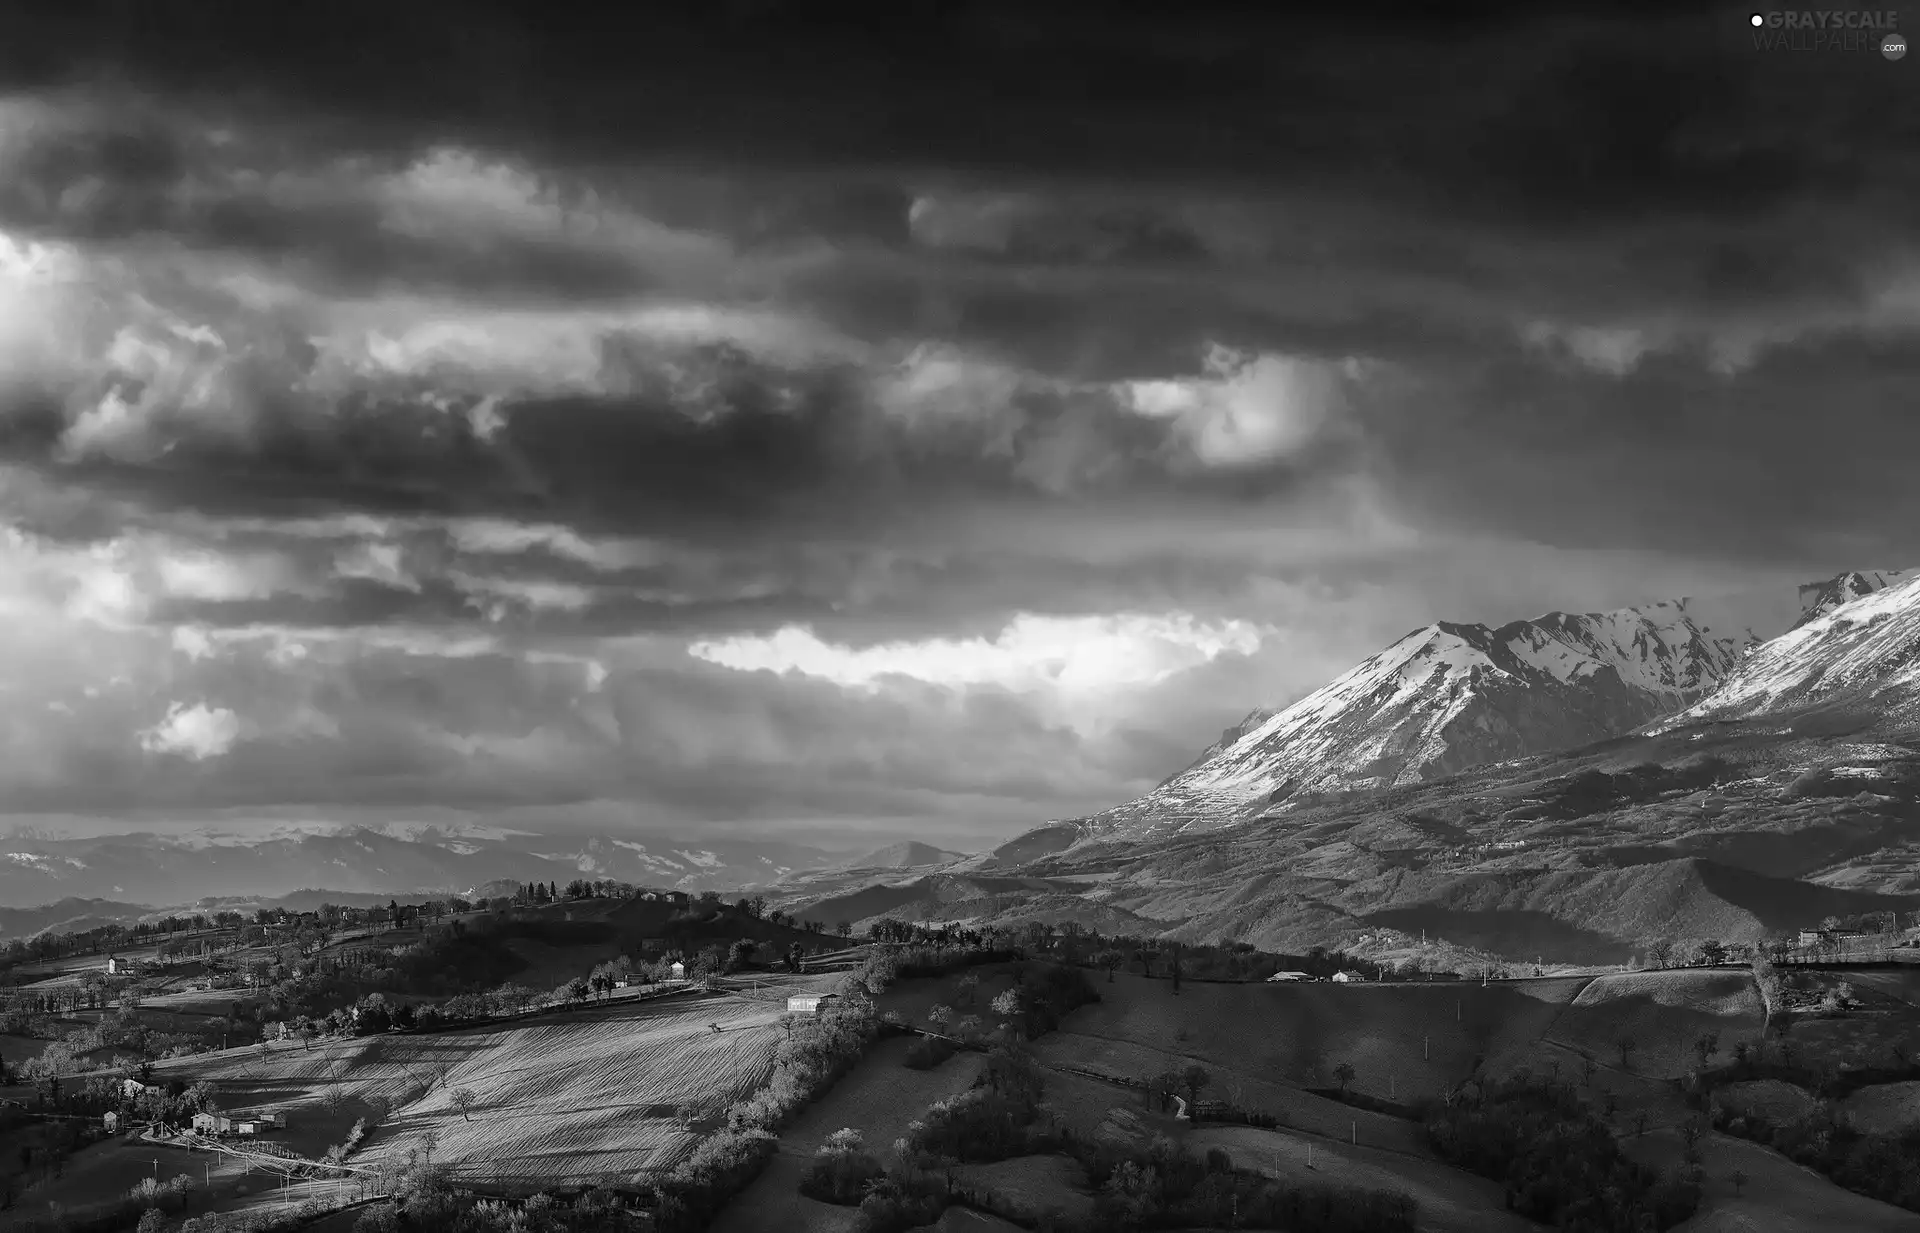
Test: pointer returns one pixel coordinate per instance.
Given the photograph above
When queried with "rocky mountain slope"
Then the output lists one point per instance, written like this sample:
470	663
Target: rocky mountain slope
1817	599
1863	654
1789	795
1440	700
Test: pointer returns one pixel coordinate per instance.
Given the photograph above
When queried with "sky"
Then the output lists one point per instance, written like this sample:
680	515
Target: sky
848	422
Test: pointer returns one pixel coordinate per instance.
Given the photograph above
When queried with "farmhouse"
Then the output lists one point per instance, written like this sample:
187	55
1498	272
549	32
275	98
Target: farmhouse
212	1123
133	1089
248	1126
678	969
111	1121
808	1003
1288	976
1345	978
117	966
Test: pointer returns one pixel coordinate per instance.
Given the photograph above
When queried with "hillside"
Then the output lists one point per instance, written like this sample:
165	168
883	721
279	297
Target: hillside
1732	831
1440	700
1861	657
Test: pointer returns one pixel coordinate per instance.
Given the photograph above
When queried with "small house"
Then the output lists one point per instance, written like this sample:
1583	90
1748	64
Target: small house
1284	976
277	1120
133	1089
808	1003
1345	977
111	1121
678	969
247	1126
621	982
212	1123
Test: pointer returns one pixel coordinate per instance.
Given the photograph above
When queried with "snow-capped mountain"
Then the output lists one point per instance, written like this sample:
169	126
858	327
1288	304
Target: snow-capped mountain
1444	698
1864	651
1817	599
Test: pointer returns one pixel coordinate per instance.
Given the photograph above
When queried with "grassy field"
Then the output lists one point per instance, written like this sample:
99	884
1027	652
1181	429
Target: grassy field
963	1220
1779	1197
16	1050
580	1094
1406	1041
100	1175
1035	1185
1885	1108
879	1097
1903	984
1772	1099
1664	1013
1449	1200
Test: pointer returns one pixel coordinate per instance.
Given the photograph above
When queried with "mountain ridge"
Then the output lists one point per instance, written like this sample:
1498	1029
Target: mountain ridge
1444	697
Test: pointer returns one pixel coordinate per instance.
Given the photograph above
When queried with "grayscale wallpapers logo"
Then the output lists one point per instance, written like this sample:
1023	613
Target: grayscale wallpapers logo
1829	30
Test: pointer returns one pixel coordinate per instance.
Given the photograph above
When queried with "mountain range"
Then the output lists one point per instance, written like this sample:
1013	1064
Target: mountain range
1442	699
1571	787
173	870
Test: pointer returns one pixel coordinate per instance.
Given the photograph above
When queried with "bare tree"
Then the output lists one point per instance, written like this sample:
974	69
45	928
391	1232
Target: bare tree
1626	1043
464	1100
428	1142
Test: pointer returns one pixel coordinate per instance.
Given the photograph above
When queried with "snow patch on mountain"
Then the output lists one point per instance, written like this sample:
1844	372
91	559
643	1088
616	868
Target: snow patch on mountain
1817	599
1445	697
1865	650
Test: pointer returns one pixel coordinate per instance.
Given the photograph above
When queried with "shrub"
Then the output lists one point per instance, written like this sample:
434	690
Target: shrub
1560	1164
842	1170
929	1051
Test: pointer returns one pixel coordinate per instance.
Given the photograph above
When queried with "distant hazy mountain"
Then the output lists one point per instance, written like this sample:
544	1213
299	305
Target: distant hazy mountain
908	854
1444	698
68	916
167	870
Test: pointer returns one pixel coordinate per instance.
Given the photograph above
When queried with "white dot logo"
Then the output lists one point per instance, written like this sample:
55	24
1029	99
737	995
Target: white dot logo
1757	20
1893	46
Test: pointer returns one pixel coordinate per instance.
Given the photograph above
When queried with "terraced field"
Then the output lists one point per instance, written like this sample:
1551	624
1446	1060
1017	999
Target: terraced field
580	1095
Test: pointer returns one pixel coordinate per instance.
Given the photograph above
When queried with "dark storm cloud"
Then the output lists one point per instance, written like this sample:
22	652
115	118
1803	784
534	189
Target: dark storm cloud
467	323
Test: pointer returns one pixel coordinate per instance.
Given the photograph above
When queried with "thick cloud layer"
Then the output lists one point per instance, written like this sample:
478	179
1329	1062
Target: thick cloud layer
677	422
